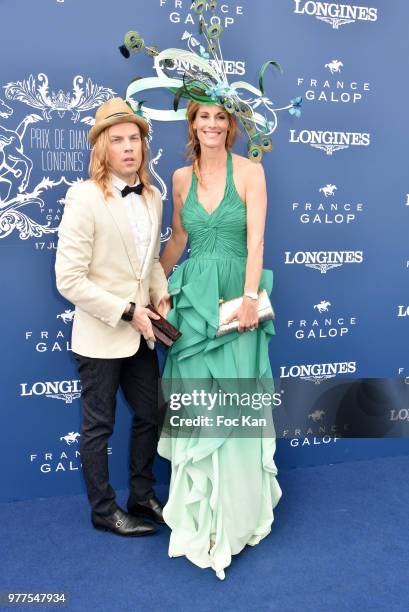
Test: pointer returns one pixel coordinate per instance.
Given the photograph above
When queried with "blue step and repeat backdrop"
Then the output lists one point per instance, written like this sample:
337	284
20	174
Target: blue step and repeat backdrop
338	209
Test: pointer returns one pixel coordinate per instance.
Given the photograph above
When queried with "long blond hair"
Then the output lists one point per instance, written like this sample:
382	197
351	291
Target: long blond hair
193	150
100	171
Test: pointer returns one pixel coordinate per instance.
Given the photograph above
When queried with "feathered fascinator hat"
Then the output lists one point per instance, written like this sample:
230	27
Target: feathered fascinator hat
204	80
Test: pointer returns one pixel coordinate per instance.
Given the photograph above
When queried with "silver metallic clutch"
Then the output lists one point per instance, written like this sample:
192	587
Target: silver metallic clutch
265	312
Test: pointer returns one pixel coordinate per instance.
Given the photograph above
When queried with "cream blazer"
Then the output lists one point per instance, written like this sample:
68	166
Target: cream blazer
97	269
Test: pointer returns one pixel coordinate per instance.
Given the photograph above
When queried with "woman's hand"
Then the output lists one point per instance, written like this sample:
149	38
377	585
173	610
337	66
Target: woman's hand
246	314
164	305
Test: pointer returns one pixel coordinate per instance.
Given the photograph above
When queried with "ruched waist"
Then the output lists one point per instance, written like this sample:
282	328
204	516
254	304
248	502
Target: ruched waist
216	257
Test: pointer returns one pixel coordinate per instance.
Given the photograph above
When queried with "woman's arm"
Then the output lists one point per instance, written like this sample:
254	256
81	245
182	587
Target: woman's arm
177	242
256	205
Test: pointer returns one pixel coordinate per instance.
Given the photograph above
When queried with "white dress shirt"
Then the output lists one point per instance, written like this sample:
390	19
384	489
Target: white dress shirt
139	219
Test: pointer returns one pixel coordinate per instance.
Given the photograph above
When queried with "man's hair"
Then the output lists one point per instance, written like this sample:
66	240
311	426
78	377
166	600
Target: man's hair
100	172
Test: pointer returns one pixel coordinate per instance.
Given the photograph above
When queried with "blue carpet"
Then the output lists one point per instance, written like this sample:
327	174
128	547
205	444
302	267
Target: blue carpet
339	543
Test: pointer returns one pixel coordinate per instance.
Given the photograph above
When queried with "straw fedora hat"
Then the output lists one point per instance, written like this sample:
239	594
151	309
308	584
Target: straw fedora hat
115	110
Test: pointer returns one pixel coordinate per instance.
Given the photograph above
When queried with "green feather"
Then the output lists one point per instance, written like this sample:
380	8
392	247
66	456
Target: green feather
214	31
199	6
153	51
193	90
266	144
254	152
178	94
262	71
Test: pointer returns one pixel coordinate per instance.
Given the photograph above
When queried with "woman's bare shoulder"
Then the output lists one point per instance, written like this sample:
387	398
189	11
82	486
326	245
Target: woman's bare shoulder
246	167
181	175
182	179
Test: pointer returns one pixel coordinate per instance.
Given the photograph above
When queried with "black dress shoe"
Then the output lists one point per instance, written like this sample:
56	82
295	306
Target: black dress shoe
123	524
150	507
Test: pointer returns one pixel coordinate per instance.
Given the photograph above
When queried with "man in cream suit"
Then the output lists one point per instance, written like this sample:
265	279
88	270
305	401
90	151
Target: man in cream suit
108	266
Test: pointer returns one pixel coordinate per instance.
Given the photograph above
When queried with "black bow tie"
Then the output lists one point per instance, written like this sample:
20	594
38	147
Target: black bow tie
135	189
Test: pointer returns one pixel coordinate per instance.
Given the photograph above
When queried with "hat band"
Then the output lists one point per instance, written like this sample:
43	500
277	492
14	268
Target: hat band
118	115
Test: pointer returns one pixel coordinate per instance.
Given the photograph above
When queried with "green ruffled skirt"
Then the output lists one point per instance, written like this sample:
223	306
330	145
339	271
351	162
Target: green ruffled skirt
222	490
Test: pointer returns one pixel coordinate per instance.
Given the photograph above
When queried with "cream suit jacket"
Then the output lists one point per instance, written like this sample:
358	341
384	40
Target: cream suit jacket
97	269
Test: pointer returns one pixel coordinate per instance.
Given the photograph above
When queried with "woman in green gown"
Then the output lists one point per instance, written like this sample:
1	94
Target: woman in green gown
223	489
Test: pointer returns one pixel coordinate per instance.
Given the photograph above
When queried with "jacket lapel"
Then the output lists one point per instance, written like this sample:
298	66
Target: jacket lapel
118	212
149	199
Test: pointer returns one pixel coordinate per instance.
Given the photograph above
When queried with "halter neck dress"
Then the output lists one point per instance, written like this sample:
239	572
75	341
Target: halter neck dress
223	489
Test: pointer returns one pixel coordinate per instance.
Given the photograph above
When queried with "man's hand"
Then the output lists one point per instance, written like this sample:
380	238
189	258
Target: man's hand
164	305
141	322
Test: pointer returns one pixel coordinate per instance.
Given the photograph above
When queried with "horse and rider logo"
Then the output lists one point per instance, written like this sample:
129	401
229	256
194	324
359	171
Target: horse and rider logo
316	415
12	155
328	189
334	66
322	306
67	316
71	438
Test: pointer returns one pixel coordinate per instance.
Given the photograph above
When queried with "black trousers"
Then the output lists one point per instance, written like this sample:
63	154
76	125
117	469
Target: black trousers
137	376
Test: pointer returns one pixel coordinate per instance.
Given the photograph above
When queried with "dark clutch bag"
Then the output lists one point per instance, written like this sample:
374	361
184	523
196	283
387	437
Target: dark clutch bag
164	331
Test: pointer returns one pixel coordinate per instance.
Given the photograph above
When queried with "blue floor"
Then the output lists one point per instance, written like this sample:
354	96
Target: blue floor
339	543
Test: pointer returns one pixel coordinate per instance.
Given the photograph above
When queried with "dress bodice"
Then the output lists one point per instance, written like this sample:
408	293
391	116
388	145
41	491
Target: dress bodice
221	233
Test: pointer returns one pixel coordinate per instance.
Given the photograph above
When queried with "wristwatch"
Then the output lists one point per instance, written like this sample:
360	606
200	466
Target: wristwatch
128	316
253	295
